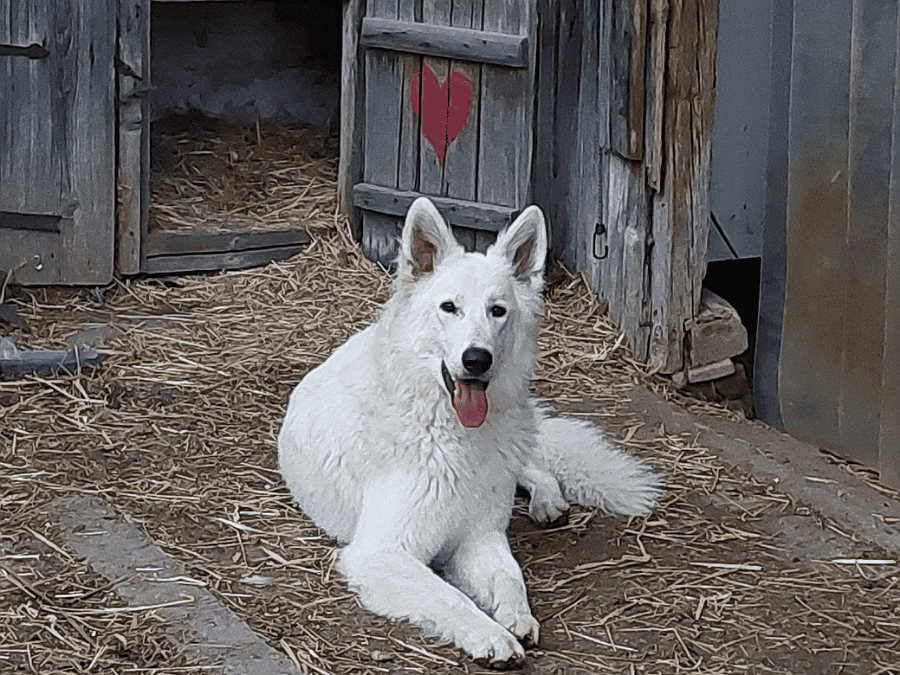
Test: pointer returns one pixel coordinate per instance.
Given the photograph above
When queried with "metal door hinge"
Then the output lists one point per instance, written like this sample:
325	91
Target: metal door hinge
34	51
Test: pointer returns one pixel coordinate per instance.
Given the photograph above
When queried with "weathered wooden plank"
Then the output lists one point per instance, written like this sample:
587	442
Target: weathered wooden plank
655	104
23	253
232	260
350	165
628	48
474	215
384	101
87	179
507	109
809	375
889	427
543	181
57	139
161	243
444	41
665	352
134	143
872	57
628	219
690	96
431	170
567	153
702	117
461	163
410	126
29	159
592	115
604	75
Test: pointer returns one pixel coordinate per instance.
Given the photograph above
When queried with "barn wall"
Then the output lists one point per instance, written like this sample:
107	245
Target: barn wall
276	61
827	353
626	92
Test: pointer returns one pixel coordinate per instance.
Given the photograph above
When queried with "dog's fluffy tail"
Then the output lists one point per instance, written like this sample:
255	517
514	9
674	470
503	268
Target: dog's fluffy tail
591	470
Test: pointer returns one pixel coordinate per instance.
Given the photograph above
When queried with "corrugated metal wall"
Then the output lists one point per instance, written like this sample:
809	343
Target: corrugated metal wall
828	349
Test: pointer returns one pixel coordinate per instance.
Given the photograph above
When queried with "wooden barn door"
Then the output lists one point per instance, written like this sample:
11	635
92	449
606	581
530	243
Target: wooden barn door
57	140
447	109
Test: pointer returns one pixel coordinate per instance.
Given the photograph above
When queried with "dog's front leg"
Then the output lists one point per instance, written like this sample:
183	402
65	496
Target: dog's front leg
394	582
483	567
396	585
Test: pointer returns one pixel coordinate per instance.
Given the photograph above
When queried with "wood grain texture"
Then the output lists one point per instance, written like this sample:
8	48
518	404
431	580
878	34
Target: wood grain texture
384	88
656	78
352	113
469	214
593	112
431	170
628	56
410	138
57	140
446	41
133	168
507	112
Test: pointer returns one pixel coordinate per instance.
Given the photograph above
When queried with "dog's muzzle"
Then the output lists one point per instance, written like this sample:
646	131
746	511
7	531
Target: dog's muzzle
467	396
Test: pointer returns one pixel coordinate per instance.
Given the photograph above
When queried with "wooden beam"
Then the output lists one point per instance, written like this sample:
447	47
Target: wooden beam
352	115
446	41
459	212
169	252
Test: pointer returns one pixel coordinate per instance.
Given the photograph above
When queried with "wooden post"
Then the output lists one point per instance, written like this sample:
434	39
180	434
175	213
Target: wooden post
350	164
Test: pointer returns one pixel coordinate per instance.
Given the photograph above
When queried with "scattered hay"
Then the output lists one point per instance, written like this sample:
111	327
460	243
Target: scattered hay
228	176
177	430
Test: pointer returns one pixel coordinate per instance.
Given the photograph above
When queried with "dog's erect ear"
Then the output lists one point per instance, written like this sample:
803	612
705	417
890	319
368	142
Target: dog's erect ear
426	239
524	243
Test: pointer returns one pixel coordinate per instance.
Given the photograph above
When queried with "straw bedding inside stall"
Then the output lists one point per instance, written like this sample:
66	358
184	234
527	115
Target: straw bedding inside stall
212	175
177	431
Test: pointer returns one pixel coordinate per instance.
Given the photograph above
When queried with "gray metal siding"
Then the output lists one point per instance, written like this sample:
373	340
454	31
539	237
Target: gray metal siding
827	350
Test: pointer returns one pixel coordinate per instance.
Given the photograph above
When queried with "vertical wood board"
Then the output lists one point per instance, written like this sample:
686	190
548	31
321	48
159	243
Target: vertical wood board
628	55
350	167
506	113
57	155
133	170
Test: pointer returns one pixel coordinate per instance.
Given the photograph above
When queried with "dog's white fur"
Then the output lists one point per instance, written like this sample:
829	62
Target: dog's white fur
373	451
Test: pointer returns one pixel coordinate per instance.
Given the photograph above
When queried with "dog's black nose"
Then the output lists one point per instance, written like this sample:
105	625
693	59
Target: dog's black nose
477	361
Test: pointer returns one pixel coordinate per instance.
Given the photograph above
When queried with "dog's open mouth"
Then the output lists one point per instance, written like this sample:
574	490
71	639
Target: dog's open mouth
468	398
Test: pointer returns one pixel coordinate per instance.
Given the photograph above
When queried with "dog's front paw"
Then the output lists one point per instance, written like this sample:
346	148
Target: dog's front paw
548	507
499	650
524	626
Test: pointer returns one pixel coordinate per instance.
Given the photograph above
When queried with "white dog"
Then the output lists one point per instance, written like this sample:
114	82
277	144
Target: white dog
407	443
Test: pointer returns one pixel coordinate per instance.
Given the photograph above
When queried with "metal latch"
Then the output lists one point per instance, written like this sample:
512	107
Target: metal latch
600	235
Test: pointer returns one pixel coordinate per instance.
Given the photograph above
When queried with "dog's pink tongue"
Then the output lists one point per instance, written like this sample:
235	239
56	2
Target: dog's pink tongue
470	402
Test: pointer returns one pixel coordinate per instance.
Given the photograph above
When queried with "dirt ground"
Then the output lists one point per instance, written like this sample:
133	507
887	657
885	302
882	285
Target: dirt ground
176	432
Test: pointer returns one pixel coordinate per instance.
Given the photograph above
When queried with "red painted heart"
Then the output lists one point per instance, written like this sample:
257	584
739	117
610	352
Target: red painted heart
444	108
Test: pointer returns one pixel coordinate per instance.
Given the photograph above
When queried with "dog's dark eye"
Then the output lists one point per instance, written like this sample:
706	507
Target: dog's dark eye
497	311
448	307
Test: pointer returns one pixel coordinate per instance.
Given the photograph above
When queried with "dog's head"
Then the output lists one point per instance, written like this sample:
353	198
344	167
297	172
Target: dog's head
476	313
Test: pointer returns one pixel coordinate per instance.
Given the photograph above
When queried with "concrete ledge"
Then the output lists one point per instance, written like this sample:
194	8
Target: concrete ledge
116	548
794	467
